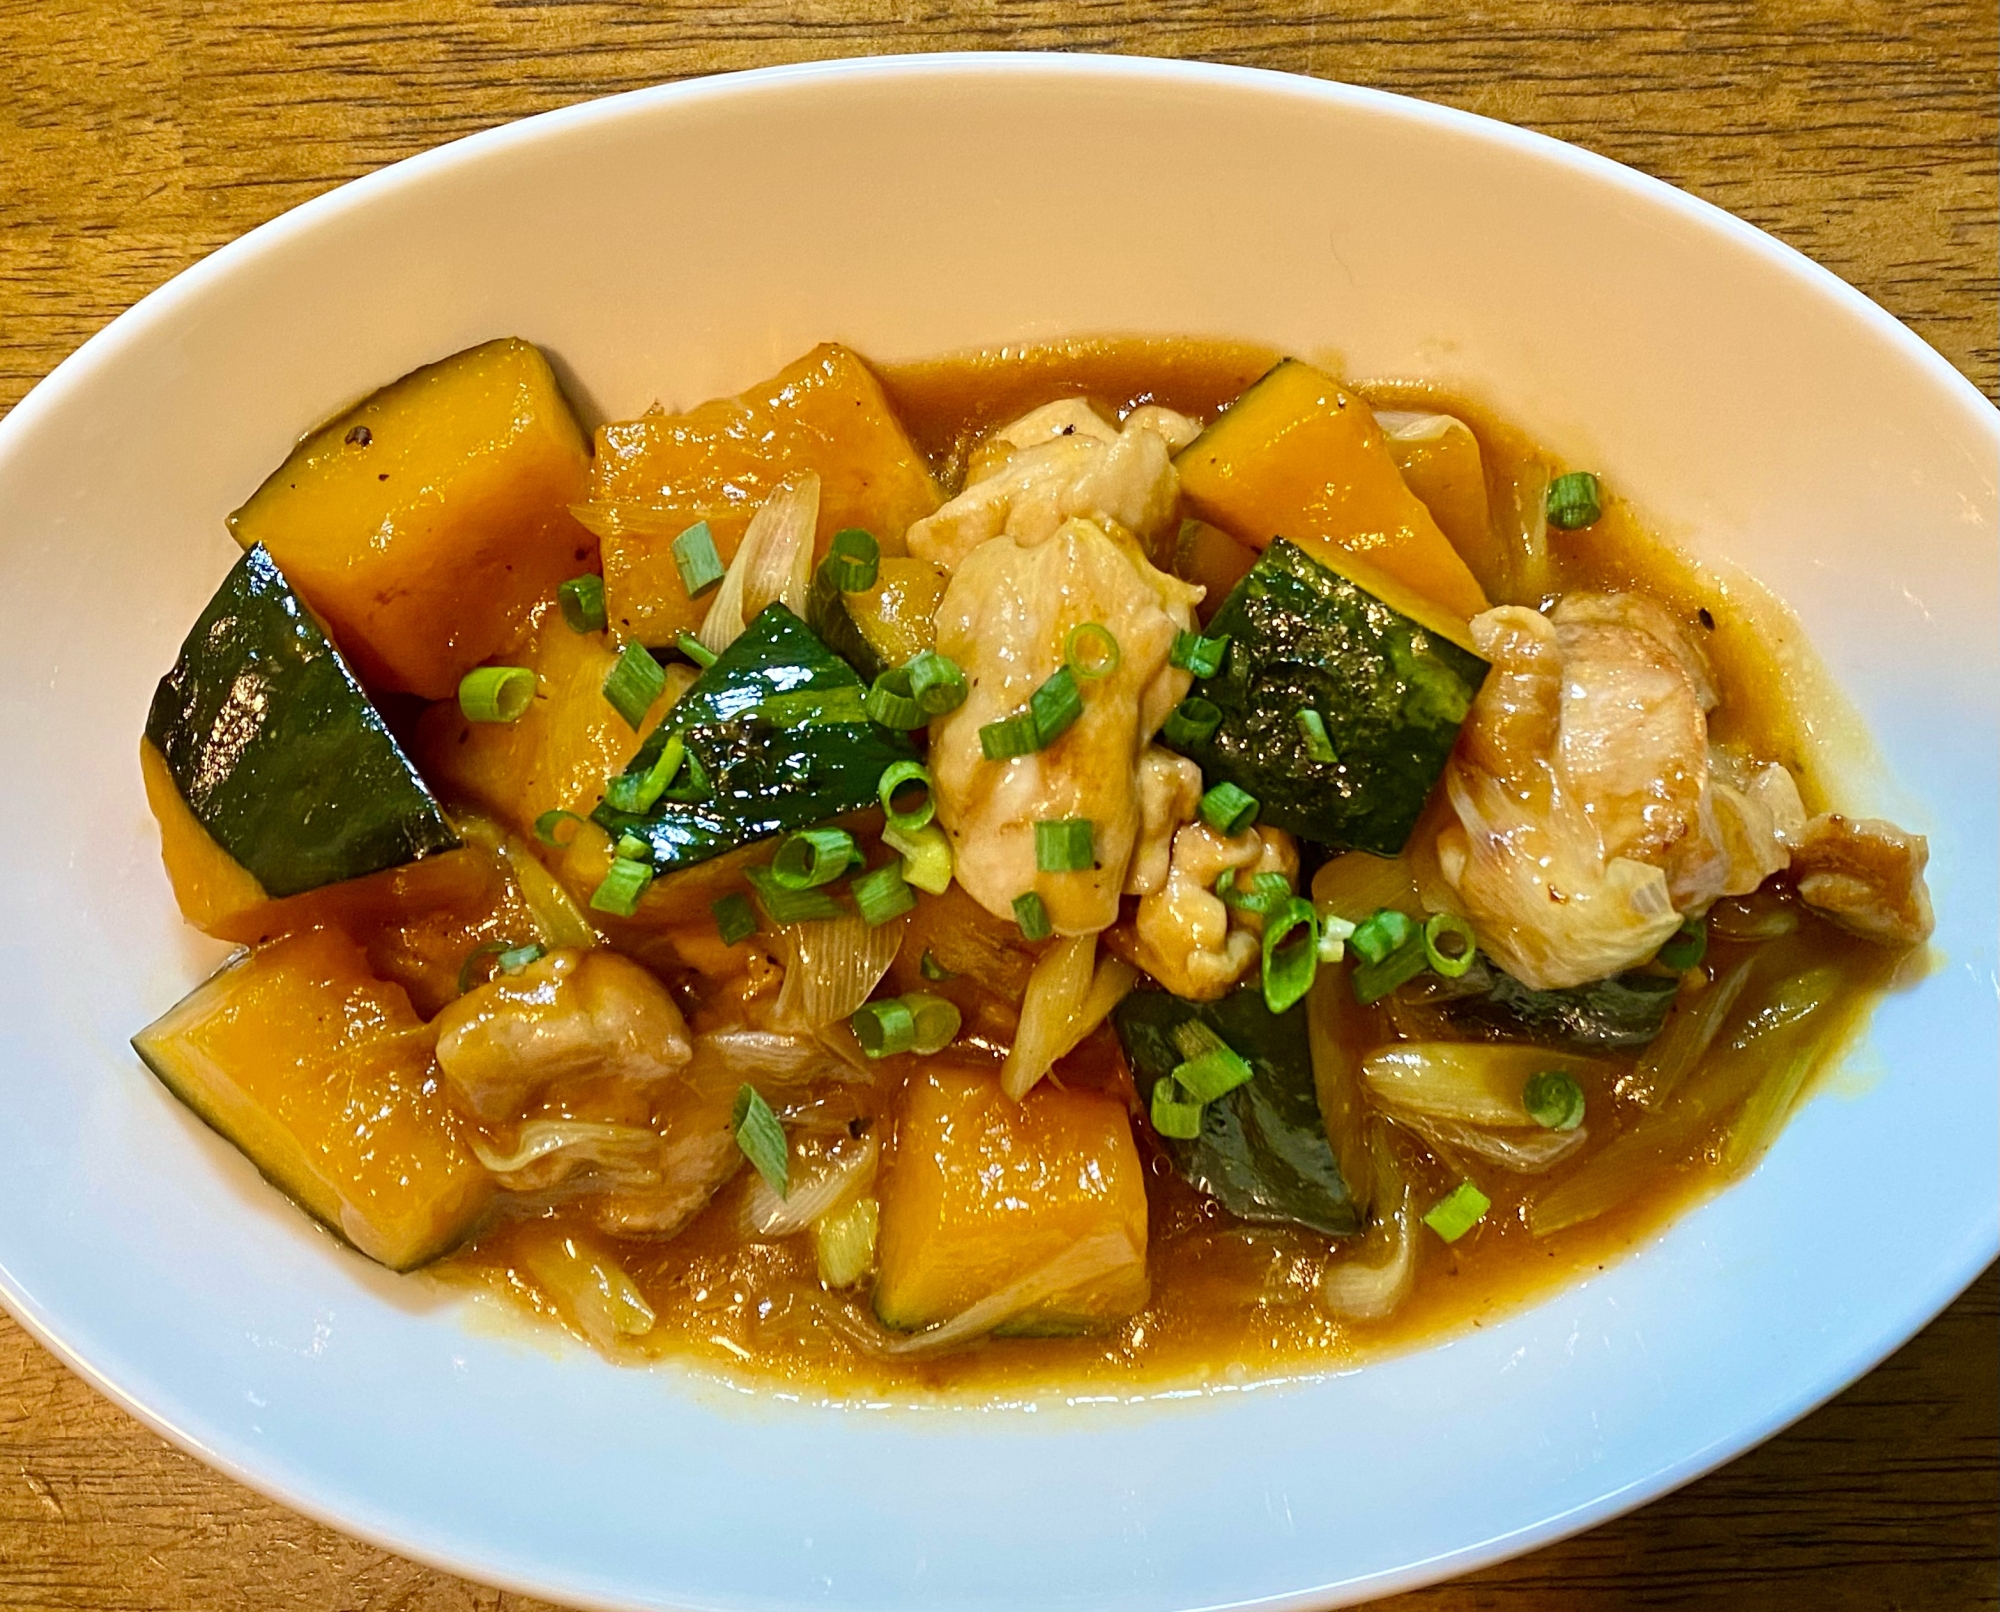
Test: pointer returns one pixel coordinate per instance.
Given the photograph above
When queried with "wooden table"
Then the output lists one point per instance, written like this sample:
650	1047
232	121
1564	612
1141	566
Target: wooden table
136	137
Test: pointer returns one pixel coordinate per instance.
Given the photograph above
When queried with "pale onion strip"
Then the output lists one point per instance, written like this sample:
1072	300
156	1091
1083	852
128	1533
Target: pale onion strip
818	1186
831	966
1685	1041
1526	1152
775	1064
773	563
616	520
589	1287
1408	427
557	916
542	1138
1474	1083
1618	1171
1529	582
1356	885
1055	995
1076	1266
1370	1282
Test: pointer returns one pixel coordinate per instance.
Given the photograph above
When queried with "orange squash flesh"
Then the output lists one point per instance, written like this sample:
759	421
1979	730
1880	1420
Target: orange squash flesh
423	523
656	475
984	1192
1298	456
323	1076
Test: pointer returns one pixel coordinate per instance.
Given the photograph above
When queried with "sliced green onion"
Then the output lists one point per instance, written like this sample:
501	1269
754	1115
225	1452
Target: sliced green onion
1373	981
762	1139
853	559
1054	706
478	955
936	682
1265	894
1458	1211
1010	736
1193	721
926	855
932	969
1228	810
1312	729
1171	1116
547	824
1064	845
1091	652
694	649
734	918
1686	947
1032	917
582	602
783	906
1377	936
634	849
891	703
882	894
884	1028
1195	1039
1333	933
1553	1100
496	693
813	857
696	560
1454	959
516	958
1214	1072
635	682
639	792
1194	653
896	780
624	883
1289	970
1574	501
937	1022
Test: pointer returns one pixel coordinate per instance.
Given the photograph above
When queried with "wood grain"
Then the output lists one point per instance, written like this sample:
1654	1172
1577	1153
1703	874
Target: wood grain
137	137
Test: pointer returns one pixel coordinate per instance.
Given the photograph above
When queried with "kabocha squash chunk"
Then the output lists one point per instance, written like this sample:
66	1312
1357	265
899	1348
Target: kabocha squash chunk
425	522
1298	456
986	1195
323	1076
277	752
656	475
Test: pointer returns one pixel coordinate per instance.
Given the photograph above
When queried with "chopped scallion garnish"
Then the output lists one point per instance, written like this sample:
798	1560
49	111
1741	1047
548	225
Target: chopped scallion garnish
1172	1115
694	649
1228	810
937	1022
547	824
634	849
882	894
1214	1072
639	792
899	782
1449	946
1553	1100
1333	933
932	969
735	920
1458	1211
1010	736
1064	845
853	559
624	883
1264	894
926	855
1373	981
813	857
1380	934
885	1028
1054	706
1032	917
634	684
508	959
1289	969
891	702
496	693
1574	501
762	1139
1312	729
1193	721
937	682
1202	656
1686	947
697	561
783	906
582	602
1091	652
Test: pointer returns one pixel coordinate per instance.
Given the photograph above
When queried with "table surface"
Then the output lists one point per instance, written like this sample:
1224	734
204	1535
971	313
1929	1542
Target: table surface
136	137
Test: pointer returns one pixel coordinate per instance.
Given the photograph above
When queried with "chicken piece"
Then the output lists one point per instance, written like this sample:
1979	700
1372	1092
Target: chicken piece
697	1154
1004	618
1867	876
1062	462
590	1018
1169	795
1188	938
1546	899
1640	614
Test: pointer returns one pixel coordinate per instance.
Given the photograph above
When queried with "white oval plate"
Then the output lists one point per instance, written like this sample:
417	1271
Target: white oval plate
684	242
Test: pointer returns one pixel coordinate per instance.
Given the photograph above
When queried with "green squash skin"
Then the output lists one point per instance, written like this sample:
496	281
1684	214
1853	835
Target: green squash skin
1484	1004
828	614
1391	693
1263	1153
277	749
761	775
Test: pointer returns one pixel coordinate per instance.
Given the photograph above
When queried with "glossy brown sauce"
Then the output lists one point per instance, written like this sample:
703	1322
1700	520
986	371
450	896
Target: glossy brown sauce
1233	1302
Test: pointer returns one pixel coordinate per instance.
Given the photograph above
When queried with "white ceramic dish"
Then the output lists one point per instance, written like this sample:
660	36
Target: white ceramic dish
685	241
